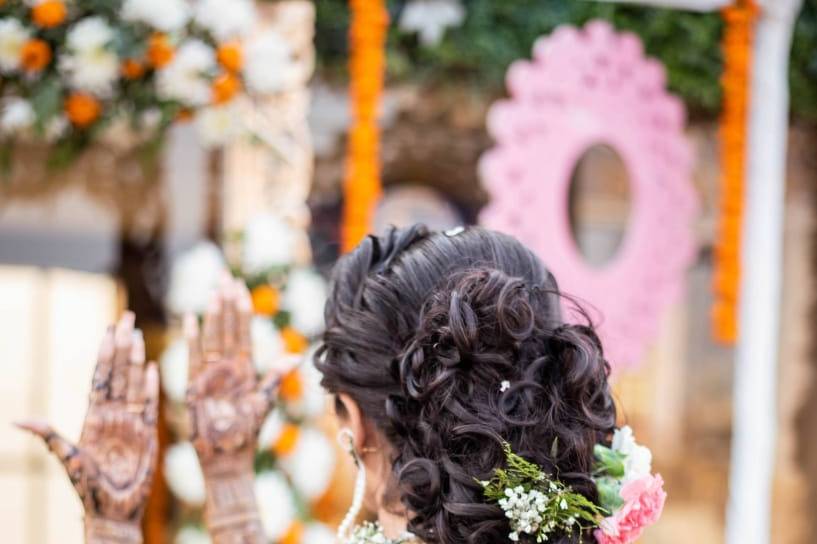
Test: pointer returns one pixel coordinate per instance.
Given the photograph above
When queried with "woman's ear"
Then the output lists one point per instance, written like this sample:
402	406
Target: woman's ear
351	418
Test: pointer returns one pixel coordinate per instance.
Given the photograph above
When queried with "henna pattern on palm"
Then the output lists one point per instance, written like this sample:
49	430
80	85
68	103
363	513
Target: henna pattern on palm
227	404
113	464
226	401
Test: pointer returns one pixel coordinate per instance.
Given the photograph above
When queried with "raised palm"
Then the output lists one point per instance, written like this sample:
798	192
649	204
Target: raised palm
113	464
225	399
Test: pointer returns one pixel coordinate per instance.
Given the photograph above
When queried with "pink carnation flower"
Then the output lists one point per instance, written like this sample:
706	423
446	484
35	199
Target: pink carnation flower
643	502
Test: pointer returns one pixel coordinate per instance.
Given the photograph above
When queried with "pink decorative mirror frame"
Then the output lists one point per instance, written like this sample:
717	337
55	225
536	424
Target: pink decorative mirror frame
585	87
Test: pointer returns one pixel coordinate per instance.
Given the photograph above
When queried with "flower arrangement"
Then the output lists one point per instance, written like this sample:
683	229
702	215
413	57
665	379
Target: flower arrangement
77	71
538	505
295	462
737	49
367	66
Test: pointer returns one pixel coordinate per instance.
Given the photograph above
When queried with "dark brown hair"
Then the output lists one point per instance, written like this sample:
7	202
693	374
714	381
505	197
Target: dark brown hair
422	329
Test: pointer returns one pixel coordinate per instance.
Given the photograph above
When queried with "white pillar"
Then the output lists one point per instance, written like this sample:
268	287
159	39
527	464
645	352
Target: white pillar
754	404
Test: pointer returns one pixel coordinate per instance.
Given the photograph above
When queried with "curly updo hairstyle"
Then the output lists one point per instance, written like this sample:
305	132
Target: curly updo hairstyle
422	328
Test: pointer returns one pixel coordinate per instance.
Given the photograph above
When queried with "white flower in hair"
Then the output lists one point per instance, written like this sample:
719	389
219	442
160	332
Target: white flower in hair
311	464
267	344
304	298
173	366
183	78
268	63
90	63
275	504
183	473
17	116
268	242
164	15
430	18
225	19
638	461
13	35
193	277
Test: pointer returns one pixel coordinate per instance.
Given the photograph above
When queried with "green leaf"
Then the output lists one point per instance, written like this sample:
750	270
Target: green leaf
609	462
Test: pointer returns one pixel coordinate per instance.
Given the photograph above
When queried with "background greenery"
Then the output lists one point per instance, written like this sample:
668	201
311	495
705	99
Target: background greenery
496	32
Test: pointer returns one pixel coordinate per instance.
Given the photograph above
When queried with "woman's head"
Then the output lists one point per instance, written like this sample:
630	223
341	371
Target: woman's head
422	330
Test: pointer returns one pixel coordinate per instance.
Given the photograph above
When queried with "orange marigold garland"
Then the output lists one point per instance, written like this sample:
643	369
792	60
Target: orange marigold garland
737	51
361	187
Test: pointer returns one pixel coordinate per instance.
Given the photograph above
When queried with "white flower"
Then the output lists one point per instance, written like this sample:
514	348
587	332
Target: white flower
219	125
638	460
304	298
271	429
504	386
226	18
268	242
17	115
90	64
183	473
164	15
430	18
56	128
312	403
268	64
173	366
311	464
275	504
317	533
192	535
267	345
184	78
193	277
13	35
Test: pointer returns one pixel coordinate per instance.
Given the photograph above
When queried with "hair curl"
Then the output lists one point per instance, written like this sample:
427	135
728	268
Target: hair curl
422	328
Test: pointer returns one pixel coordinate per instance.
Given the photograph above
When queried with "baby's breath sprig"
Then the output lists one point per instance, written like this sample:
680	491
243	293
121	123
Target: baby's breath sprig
536	504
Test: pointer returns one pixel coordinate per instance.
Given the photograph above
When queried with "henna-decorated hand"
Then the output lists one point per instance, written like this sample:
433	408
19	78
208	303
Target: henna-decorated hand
112	466
227	404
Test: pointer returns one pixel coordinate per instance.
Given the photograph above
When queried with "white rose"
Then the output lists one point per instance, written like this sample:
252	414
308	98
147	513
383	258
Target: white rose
638	460
430	18
268	242
183	78
17	116
267	344
90	64
13	35
219	125
268	63
173	366
226	19
191	535
164	15
275	504
193	277
304	298
183	473
311	464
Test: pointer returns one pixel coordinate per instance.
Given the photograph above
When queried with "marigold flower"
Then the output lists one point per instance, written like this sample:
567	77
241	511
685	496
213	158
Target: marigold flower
294	533
132	69
49	13
294	341
225	87
286	440
82	109
230	56
265	300
35	55
292	387
160	51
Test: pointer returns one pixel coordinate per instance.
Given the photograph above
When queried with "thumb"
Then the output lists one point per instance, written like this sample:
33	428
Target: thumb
64	449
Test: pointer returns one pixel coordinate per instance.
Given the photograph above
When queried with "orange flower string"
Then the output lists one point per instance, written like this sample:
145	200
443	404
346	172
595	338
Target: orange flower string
737	47
361	187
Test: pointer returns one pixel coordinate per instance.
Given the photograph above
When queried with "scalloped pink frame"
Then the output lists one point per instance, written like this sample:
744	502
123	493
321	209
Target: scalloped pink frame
586	87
